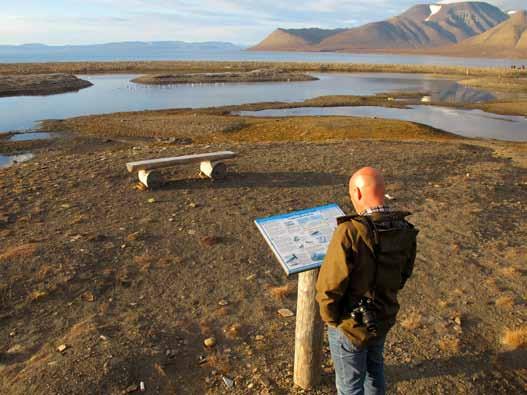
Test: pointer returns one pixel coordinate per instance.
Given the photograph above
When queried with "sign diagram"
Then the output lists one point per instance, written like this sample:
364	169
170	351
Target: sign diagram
300	239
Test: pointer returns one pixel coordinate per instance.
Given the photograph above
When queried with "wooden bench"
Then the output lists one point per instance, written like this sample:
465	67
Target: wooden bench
211	165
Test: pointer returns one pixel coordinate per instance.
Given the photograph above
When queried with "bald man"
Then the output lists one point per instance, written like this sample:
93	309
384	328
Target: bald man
369	260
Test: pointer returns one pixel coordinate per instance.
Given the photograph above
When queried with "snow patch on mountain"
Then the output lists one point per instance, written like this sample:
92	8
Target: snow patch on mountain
434	9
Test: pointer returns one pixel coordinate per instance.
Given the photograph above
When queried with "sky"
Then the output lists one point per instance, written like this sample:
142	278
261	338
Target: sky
244	22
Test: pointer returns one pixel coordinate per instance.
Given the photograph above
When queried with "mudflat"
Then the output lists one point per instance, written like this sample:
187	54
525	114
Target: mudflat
40	84
259	75
104	286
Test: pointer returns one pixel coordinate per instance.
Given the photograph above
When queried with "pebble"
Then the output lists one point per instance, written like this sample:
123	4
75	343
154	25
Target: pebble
286	313
258	338
131	388
229	383
133	236
210	241
209	342
223	303
62	348
251	277
15	349
151	200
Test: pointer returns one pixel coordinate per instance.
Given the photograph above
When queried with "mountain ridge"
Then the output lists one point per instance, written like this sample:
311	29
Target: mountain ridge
422	26
180	44
509	37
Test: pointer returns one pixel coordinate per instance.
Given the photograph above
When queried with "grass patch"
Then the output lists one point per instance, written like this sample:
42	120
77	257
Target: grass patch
282	291
510	271
37	295
450	344
505	301
20	251
412	321
515	338
211	126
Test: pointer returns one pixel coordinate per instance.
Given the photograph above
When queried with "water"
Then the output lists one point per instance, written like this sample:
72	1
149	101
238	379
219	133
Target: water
9	160
113	93
28	136
468	123
241	55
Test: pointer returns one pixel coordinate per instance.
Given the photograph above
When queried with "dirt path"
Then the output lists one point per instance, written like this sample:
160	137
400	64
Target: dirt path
132	288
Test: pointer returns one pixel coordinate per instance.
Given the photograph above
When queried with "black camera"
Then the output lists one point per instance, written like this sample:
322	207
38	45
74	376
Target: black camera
364	315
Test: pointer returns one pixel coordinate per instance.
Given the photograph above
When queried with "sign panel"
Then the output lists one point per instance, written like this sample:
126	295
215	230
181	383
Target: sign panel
300	239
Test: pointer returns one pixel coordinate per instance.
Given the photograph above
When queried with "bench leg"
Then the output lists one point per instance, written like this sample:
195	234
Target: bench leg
214	170
151	179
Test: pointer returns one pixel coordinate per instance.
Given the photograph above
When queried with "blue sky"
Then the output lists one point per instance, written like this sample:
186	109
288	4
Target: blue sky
240	21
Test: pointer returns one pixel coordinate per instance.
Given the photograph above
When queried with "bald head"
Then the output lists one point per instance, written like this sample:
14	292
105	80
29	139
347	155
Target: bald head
366	189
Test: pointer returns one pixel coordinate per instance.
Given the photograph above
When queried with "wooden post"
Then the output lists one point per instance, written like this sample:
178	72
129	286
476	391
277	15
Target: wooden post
309	332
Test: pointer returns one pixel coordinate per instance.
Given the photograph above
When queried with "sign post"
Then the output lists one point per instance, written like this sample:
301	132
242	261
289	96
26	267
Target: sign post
299	241
308	334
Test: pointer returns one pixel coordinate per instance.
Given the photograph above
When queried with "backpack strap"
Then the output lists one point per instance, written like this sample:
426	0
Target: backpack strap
367	221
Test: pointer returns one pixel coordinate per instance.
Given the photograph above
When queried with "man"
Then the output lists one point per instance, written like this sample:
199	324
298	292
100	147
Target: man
369	259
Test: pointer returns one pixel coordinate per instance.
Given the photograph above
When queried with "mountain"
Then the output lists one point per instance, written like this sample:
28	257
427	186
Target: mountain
506	39
294	39
129	50
422	26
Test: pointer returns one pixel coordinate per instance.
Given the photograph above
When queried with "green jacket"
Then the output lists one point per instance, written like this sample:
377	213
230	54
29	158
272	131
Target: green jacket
360	259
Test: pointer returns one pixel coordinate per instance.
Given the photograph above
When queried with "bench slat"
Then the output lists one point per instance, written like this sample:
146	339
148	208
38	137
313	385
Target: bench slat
177	160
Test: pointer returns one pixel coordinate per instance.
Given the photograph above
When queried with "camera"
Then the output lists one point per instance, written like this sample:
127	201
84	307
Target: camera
364	315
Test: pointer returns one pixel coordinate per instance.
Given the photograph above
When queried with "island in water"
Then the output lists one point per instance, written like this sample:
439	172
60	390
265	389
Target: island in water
40	84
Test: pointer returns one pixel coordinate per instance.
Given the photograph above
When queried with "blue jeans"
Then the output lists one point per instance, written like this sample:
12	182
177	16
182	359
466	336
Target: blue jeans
358	371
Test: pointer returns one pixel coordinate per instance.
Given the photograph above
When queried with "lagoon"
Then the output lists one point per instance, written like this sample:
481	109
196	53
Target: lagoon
115	93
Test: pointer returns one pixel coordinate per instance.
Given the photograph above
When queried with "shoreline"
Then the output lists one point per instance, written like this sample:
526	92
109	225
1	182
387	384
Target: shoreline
430	52
151	67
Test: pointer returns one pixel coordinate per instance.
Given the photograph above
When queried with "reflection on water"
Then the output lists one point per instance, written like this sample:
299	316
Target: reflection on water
458	94
28	136
468	123
9	160
440	90
113	93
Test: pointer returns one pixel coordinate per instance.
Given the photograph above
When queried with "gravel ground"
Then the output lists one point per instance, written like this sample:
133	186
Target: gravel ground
131	282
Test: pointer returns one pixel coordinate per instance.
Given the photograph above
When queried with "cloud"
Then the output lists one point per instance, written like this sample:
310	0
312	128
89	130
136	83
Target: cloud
238	21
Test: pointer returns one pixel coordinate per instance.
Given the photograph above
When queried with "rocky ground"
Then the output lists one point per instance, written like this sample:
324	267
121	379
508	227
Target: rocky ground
104	286
40	84
259	75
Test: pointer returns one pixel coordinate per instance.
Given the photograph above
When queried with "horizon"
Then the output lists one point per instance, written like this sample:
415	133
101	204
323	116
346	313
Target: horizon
98	22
